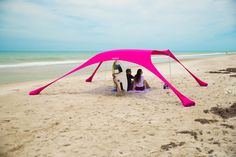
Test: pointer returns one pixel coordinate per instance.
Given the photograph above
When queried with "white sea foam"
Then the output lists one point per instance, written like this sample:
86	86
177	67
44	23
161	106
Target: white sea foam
46	63
194	55
201	54
32	64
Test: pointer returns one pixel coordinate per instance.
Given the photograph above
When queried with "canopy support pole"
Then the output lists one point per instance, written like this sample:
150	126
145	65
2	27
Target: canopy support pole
91	77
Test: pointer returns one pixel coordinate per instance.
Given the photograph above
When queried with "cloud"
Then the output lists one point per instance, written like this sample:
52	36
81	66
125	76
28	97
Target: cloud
124	23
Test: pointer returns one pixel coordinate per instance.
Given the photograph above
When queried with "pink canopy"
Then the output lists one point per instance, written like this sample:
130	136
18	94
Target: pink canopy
140	57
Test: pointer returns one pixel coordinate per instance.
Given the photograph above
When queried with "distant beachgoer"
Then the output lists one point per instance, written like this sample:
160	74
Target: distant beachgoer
130	78
139	82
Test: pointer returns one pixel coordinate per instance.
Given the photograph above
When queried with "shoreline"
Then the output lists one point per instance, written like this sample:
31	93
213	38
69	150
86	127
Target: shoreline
103	75
76	60
38	73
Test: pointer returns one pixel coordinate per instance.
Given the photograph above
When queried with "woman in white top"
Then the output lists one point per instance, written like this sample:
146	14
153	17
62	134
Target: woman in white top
139	82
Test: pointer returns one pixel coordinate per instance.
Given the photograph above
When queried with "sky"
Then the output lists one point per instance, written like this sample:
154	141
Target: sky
61	25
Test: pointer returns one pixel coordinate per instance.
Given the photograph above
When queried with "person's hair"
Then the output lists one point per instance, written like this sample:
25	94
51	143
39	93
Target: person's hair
128	70
114	64
137	77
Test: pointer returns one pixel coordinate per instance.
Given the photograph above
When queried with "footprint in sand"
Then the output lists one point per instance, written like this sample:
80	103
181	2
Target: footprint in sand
6	121
206	121
66	144
198	149
16	148
227	126
171	145
192	133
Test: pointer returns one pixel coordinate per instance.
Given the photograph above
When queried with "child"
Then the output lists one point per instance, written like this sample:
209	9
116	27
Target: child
139	82
118	86
129	79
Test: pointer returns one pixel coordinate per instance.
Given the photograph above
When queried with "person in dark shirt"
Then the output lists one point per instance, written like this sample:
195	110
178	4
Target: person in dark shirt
129	79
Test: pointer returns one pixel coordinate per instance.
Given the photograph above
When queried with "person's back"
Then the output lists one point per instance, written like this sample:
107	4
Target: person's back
116	68
129	79
139	82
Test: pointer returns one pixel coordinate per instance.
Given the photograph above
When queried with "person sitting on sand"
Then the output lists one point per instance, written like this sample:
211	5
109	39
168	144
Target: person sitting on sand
129	79
139	82
118	85
116	70
116	82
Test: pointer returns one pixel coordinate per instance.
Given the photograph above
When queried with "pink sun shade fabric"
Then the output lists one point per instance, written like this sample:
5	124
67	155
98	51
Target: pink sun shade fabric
140	57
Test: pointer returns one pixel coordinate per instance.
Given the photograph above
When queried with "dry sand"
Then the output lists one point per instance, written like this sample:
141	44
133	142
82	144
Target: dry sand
74	118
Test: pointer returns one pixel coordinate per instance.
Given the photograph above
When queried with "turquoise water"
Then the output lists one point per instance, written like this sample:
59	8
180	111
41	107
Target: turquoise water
7	58
26	59
30	66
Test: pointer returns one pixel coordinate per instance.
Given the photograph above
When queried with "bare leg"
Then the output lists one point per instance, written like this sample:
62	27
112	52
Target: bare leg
120	92
133	86
146	84
118	88
117	84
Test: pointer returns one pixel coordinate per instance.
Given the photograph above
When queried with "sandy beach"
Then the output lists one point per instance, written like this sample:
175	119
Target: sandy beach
73	118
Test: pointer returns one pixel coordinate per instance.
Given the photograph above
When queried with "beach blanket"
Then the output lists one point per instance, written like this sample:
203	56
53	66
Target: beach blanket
134	91
139	91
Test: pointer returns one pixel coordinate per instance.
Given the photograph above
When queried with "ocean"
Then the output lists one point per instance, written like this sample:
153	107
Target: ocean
32	65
